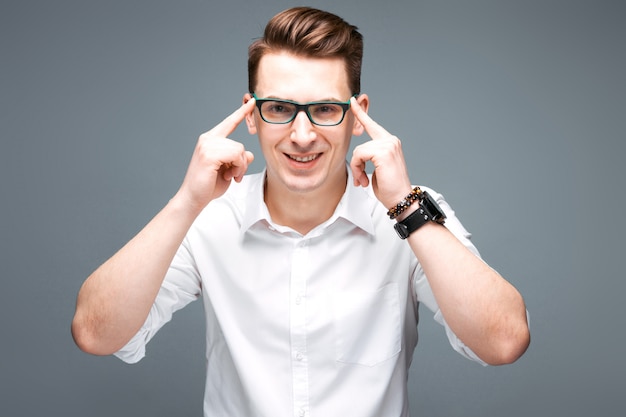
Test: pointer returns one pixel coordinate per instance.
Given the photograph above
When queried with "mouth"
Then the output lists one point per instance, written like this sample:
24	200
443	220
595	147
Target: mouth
303	159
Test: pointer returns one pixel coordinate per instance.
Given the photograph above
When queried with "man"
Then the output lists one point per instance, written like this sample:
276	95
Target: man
310	295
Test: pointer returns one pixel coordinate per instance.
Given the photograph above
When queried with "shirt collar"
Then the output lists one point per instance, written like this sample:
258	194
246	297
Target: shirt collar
356	205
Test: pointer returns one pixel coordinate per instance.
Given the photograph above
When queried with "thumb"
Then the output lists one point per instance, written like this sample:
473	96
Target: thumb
249	156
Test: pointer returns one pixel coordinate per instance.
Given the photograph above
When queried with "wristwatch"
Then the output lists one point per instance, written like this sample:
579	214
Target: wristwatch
428	211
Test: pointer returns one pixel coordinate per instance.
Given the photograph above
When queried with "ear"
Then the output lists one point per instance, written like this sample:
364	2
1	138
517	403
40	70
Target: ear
364	102
250	119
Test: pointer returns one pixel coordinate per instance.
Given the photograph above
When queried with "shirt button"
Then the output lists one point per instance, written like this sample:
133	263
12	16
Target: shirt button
302	412
299	356
298	300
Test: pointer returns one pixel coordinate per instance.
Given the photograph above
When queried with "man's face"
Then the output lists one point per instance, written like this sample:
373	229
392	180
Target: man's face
302	157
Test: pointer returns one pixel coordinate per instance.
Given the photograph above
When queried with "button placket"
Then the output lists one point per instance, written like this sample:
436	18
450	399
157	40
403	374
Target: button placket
299	273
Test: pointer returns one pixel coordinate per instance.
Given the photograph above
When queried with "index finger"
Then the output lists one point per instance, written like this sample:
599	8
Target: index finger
230	123
373	129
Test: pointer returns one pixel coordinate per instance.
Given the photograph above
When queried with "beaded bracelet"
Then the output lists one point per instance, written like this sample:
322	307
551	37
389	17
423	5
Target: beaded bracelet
412	197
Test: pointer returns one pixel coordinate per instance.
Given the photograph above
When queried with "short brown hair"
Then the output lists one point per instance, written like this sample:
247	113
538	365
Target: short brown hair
311	33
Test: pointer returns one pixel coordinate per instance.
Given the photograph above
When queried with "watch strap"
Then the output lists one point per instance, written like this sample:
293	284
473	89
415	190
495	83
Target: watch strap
413	222
428	211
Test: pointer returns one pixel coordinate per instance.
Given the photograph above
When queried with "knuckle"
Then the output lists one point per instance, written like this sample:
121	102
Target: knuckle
394	143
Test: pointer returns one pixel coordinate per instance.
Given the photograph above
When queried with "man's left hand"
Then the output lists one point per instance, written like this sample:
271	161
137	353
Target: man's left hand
390	179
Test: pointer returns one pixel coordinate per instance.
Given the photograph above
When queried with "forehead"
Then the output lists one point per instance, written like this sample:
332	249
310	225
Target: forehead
298	78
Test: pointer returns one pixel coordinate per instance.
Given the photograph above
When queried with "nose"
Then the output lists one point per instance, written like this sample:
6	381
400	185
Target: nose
302	130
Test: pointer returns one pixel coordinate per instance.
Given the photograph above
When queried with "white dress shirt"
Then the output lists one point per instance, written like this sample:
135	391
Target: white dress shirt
318	325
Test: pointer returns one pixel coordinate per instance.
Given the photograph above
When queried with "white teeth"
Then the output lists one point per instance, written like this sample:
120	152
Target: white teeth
303	158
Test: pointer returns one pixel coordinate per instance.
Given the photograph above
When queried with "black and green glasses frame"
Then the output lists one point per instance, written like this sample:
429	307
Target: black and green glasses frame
320	113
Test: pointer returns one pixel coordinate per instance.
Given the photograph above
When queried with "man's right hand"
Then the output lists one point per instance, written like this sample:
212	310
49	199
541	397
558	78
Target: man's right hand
116	299
216	161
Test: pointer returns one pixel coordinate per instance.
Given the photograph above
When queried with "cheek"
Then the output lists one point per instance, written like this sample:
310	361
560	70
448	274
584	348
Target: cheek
342	140
268	138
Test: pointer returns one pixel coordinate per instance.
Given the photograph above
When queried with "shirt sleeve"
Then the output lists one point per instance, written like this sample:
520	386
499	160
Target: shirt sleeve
422	288
181	286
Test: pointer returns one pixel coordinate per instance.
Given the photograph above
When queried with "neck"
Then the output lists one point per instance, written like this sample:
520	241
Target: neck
306	210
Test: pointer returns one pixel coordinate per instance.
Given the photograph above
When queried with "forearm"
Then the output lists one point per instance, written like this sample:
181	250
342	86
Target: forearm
485	311
115	300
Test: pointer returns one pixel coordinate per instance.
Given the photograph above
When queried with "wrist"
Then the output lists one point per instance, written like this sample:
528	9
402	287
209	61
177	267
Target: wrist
404	204
406	213
426	210
185	205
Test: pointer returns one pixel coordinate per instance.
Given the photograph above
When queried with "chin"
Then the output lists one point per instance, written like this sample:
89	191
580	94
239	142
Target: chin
302	185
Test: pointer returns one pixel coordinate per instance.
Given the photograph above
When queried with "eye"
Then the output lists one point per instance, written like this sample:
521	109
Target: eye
276	107
326	109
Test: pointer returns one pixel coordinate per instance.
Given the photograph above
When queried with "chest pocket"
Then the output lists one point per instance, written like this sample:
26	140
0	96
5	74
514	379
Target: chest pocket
367	325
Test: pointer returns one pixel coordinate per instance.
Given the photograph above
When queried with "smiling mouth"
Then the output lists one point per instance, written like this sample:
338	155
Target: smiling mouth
307	158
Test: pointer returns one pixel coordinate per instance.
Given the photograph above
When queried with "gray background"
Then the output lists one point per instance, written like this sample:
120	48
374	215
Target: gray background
514	110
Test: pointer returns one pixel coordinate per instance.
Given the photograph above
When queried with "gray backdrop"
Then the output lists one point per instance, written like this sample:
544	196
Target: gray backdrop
514	110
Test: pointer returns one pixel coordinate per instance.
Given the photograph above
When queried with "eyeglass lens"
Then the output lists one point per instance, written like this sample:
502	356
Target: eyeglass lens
284	112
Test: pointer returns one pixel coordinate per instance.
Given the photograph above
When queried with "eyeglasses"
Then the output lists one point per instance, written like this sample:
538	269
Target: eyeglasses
321	113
